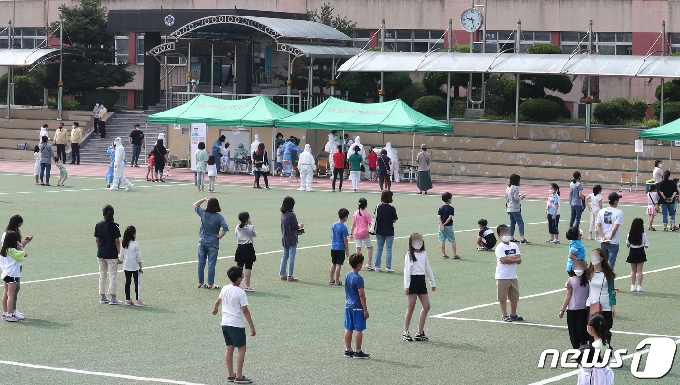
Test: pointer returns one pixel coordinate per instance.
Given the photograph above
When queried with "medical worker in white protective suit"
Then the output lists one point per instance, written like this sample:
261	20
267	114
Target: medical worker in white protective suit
331	147
256	142
394	157
357	142
118	167
306	167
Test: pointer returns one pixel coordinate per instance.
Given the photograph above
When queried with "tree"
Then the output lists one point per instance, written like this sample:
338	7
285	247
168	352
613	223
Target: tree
535	85
325	16
86	32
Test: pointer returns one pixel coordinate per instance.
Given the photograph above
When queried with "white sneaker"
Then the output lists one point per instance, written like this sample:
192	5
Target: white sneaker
11	318
21	316
301	189
377	269
632	288
113	188
389	270
129	187
639	288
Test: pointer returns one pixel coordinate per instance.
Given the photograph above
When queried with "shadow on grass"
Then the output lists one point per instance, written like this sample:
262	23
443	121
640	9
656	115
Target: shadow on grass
657	295
453	346
44	324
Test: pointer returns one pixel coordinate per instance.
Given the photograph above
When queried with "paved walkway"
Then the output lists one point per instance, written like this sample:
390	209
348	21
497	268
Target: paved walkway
454	187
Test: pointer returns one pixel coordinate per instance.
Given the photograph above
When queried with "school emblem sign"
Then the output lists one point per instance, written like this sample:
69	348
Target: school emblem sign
169	20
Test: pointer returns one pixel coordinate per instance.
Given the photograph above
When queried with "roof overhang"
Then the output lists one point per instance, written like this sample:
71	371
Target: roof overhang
520	63
318	51
25	57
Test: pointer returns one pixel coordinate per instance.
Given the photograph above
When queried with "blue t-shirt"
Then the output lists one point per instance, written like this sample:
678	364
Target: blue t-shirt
338	232
211	223
576	247
353	282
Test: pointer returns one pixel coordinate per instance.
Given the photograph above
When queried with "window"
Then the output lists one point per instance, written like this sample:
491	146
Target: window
504	41
24	38
606	43
361	38
406	40
675	42
140	49
122	50
175	60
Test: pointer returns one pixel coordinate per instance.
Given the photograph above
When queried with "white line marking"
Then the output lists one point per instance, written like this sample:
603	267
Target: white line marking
231	256
575	372
552	326
101	374
541	294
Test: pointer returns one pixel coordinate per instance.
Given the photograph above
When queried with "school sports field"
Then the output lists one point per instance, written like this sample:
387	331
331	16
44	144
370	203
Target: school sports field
69	338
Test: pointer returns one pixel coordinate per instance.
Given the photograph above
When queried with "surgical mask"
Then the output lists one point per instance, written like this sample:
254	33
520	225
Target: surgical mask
551	191
580	232
506	238
417	244
19	229
97	104
578	272
660	165
595	259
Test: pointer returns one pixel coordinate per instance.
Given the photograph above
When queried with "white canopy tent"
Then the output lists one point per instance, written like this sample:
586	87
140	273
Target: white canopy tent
25	57
516	63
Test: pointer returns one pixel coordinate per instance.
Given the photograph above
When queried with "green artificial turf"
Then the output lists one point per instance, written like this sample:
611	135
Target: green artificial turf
299	325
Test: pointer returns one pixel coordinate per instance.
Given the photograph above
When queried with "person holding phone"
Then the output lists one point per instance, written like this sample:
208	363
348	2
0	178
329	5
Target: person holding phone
15	223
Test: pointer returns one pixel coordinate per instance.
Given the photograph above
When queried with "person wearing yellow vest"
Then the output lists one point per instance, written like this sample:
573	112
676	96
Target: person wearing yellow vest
102	120
60	139
76	138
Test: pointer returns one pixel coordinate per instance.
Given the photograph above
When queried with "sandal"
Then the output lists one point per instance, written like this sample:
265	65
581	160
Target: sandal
665	229
200	285
331	283
652	229
212	287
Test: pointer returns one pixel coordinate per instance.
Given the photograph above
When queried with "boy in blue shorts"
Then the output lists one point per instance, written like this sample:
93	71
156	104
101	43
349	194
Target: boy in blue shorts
356	312
234	310
445	215
339	247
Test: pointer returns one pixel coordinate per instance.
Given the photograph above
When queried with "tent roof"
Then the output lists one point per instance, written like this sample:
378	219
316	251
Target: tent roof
22	57
318	51
257	111
522	63
669	131
338	114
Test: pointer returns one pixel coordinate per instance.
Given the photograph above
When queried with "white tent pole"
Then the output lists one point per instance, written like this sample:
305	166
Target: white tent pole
517	50
663	53
413	146
637	170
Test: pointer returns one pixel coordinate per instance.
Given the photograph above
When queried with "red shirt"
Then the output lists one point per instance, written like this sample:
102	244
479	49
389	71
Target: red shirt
338	160
372	160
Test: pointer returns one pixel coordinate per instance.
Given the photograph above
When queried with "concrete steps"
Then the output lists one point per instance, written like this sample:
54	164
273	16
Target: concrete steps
120	125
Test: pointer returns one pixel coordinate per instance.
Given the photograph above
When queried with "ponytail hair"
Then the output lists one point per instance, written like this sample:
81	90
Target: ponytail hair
363	203
11	240
243	218
129	235
411	250
107	212
577	176
556	188
598	323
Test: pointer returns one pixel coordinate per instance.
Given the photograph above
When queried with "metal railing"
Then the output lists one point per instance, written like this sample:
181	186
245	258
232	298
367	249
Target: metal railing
264	76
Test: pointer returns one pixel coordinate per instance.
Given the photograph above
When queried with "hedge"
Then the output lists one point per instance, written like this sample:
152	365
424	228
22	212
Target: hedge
540	110
108	96
620	110
432	106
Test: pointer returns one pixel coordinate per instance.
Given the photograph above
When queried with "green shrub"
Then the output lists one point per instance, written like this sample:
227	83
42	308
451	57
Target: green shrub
620	110
66	104
106	95
566	114
671	110
411	93
540	110
432	106
27	90
458	106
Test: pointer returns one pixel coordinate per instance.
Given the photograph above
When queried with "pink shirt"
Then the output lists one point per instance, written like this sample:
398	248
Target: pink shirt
361	224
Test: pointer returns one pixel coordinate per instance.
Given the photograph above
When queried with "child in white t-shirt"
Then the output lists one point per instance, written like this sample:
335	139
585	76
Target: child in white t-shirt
131	256
594	207
225	158
234	310
212	173
507	259
652	201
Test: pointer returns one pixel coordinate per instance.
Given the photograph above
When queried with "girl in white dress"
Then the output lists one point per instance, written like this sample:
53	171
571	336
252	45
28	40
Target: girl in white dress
36	168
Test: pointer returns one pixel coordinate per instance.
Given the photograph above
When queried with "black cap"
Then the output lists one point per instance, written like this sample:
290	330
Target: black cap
614	196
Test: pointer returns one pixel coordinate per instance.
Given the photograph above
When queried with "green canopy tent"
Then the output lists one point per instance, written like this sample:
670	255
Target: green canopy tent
391	117
257	111
669	131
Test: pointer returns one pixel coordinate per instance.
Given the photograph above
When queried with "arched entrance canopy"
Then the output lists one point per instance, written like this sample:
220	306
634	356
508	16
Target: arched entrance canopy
232	26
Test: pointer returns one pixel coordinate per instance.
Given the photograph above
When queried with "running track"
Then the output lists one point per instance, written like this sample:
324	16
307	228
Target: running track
465	188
